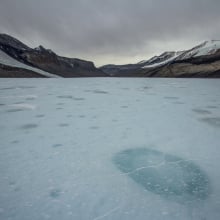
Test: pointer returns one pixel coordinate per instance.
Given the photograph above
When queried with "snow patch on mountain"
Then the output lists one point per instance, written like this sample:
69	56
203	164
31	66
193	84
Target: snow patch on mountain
204	49
159	61
9	61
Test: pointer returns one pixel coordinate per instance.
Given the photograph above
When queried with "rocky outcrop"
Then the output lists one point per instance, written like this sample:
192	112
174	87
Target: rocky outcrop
200	66
47	60
210	70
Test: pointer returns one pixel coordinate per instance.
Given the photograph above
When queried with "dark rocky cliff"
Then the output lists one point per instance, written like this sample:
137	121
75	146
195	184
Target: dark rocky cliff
47	60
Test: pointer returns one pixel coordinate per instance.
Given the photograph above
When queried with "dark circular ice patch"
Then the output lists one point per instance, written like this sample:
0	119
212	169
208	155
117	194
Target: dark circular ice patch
82	116
178	103
94	127
55	193
29	126
124	106
40	116
100	91
166	175
201	111
26	87
213	121
57	145
15	142
64	125
7	88
65	96
171	97
30	98
211	106
15	110
78	99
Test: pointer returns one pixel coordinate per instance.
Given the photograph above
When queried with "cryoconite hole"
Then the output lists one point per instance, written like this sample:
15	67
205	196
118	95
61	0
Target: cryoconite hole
167	175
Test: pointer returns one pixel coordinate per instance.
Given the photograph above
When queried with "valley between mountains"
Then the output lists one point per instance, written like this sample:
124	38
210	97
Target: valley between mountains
20	61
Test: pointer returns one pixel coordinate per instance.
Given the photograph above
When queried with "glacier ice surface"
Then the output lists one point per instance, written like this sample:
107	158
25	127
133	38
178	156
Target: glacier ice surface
80	148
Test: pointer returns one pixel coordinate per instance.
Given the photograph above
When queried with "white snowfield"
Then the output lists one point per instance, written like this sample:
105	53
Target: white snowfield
206	48
175	55
7	60
109	149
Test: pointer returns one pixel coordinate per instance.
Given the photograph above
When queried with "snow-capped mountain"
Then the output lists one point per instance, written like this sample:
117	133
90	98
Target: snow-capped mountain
204	49
200	61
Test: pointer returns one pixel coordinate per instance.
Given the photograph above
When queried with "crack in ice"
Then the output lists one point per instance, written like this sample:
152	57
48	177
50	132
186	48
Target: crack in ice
107	213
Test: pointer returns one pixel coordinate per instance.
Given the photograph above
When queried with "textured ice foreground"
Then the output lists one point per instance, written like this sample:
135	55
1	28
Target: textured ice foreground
106	148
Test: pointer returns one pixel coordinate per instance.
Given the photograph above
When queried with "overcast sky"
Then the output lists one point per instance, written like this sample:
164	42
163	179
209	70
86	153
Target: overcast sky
111	31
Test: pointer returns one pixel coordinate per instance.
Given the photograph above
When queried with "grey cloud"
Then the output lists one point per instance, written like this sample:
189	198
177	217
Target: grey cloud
105	28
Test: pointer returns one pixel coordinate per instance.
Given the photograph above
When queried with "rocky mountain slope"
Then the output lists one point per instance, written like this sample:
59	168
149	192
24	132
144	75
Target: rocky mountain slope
200	61
40	62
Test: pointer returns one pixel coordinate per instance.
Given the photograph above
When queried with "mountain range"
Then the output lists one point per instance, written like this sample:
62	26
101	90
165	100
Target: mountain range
19	60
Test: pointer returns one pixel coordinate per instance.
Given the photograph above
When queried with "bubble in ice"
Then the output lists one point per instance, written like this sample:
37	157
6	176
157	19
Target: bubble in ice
166	175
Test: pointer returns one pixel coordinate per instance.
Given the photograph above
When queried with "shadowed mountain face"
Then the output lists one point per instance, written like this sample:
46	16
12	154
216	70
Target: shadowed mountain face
47	60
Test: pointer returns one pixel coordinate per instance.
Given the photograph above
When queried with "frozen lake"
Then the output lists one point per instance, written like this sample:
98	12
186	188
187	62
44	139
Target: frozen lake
110	148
